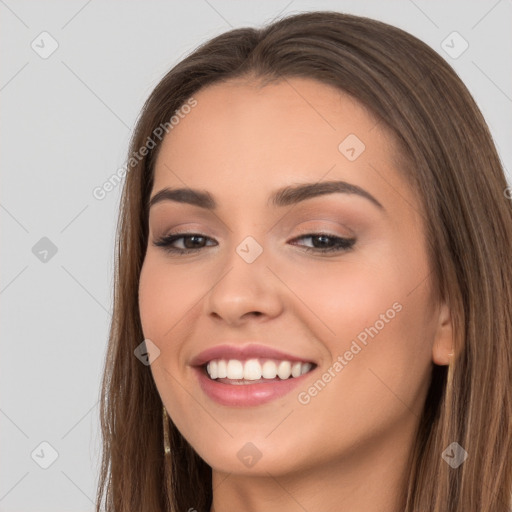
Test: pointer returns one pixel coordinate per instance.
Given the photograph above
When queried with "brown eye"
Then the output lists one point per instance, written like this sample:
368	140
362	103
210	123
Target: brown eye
324	242
191	241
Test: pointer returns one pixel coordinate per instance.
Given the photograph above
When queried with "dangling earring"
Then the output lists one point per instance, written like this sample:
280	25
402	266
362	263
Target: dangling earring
167	457
167	444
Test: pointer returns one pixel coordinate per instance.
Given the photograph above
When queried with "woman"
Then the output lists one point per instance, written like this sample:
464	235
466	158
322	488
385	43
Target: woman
313	274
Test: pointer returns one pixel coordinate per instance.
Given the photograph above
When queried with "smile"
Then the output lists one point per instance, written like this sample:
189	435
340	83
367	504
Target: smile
266	380
235	371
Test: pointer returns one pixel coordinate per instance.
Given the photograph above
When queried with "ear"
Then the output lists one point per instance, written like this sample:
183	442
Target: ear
443	346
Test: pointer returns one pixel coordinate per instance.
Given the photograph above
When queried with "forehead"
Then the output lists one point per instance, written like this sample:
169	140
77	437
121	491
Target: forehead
292	106
247	137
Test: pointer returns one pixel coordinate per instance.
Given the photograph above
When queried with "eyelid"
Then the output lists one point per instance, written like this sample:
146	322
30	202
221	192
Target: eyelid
300	231
186	228
305	227
332	231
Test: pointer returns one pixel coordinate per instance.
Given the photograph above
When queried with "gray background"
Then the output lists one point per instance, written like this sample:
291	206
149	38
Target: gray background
65	124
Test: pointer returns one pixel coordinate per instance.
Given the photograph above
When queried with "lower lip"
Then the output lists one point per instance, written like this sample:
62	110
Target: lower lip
246	395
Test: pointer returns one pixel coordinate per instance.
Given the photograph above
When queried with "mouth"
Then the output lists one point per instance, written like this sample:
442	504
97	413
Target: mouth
249	375
248	383
255	370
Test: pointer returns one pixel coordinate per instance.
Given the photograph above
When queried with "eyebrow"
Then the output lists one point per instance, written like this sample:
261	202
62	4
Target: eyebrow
283	197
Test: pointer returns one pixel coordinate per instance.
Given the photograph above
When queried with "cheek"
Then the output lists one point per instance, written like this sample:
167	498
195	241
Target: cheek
342	298
383	337
166	296
166	300
374	312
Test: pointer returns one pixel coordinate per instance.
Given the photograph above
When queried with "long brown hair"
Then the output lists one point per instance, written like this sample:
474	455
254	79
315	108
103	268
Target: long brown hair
448	155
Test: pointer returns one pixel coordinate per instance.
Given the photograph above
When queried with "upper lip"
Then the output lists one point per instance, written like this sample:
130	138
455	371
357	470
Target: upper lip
243	352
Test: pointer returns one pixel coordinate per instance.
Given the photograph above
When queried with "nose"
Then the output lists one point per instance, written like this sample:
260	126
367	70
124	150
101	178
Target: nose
244	290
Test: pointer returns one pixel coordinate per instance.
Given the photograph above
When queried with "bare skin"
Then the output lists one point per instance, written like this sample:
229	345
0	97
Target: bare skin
346	449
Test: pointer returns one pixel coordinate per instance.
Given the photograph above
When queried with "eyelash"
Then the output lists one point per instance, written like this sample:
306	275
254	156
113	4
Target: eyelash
342	244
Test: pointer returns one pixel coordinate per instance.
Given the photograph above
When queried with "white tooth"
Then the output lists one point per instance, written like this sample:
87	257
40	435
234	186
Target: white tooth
221	369
284	369
296	369
305	368
235	369
269	370
252	369
212	369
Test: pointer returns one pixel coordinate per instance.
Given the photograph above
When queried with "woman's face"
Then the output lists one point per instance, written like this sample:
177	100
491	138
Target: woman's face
363	315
